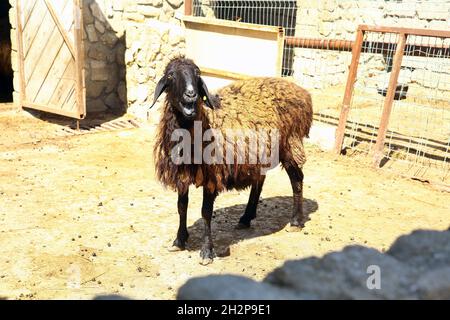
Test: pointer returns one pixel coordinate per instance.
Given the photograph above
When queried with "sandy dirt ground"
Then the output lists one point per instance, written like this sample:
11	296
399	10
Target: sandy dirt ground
83	216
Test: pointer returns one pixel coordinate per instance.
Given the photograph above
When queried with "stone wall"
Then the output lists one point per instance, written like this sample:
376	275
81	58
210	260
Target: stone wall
339	19
127	44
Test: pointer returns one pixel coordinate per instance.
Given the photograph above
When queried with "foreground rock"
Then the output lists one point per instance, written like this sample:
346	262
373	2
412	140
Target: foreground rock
417	266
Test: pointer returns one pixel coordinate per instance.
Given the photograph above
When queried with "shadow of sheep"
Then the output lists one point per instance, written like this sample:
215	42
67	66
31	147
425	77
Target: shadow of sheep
272	216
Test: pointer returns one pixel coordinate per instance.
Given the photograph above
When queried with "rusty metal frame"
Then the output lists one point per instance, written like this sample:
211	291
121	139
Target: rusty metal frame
401	45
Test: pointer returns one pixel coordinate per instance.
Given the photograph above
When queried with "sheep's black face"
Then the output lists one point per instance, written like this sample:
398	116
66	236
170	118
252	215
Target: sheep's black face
186	91
183	89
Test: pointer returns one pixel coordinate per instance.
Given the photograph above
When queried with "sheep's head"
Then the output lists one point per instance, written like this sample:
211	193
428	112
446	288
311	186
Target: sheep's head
186	91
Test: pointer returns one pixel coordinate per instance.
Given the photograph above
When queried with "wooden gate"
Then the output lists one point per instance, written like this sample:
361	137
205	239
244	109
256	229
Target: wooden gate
51	56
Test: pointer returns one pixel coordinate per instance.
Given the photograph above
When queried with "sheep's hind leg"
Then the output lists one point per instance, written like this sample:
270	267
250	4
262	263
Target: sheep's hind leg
252	205
207	254
296	176
182	234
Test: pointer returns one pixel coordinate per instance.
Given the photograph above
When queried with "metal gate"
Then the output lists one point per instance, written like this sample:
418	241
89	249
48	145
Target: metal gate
51	56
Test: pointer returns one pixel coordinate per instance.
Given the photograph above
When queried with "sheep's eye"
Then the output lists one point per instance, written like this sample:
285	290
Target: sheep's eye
170	76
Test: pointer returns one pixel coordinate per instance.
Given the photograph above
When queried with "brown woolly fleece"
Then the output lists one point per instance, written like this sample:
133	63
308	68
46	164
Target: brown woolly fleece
257	103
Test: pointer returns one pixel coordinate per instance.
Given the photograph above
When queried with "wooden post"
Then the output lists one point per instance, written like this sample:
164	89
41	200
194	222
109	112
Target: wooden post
188	7
387	107
79	58
356	53
22	93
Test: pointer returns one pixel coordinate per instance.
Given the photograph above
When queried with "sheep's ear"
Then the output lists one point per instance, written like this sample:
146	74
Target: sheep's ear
160	87
206	97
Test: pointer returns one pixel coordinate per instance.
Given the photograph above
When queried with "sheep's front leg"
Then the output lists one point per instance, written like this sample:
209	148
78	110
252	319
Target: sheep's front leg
182	234
207	252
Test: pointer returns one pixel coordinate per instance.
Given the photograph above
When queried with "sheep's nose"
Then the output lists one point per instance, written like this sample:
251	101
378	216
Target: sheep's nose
190	93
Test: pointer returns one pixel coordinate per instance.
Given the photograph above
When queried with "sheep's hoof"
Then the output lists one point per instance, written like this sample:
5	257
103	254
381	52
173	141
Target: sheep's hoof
177	246
207	256
241	226
175	249
294	228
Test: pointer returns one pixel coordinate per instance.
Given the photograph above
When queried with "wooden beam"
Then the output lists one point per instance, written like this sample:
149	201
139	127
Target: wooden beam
387	107
60	28
223	74
21	57
407	31
79	58
51	109
356	53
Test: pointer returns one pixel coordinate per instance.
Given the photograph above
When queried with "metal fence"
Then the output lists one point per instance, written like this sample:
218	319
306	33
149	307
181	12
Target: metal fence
413	136
401	116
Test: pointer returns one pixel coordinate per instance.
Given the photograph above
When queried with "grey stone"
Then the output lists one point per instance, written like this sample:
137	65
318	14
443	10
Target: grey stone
435	284
109	39
99	26
122	91
232	288
113	101
91	33
97	12
96	106
98	53
94	88
343	275
423	249
417	266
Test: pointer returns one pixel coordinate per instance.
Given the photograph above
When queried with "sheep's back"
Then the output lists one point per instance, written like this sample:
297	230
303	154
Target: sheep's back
264	103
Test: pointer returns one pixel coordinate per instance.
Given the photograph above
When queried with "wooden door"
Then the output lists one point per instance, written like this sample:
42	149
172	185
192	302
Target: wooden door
51	56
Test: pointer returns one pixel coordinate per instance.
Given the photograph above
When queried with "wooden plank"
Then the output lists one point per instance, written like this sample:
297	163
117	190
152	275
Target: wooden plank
38	48
228	24
61	28
70	103
279	63
22	92
223	74
44	64
241	41
387	107
55	74
30	31
51	109
356	54
79	58
407	31
26	9
64	87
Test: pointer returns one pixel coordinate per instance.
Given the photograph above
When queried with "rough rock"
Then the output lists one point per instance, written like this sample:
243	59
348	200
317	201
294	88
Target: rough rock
417	266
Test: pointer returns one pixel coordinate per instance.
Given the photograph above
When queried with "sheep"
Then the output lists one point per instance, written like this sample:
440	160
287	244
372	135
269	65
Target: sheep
255	103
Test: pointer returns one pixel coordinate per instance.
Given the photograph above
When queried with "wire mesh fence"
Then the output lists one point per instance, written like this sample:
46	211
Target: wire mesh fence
417	141
418	136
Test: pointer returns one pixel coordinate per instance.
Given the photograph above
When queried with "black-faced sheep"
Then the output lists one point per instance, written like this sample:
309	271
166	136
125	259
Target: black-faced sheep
256	104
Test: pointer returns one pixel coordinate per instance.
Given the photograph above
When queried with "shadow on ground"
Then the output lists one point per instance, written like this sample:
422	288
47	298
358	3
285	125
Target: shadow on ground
273	215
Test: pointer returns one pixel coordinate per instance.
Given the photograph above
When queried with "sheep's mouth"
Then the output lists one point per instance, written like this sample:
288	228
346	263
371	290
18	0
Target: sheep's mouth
189	109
